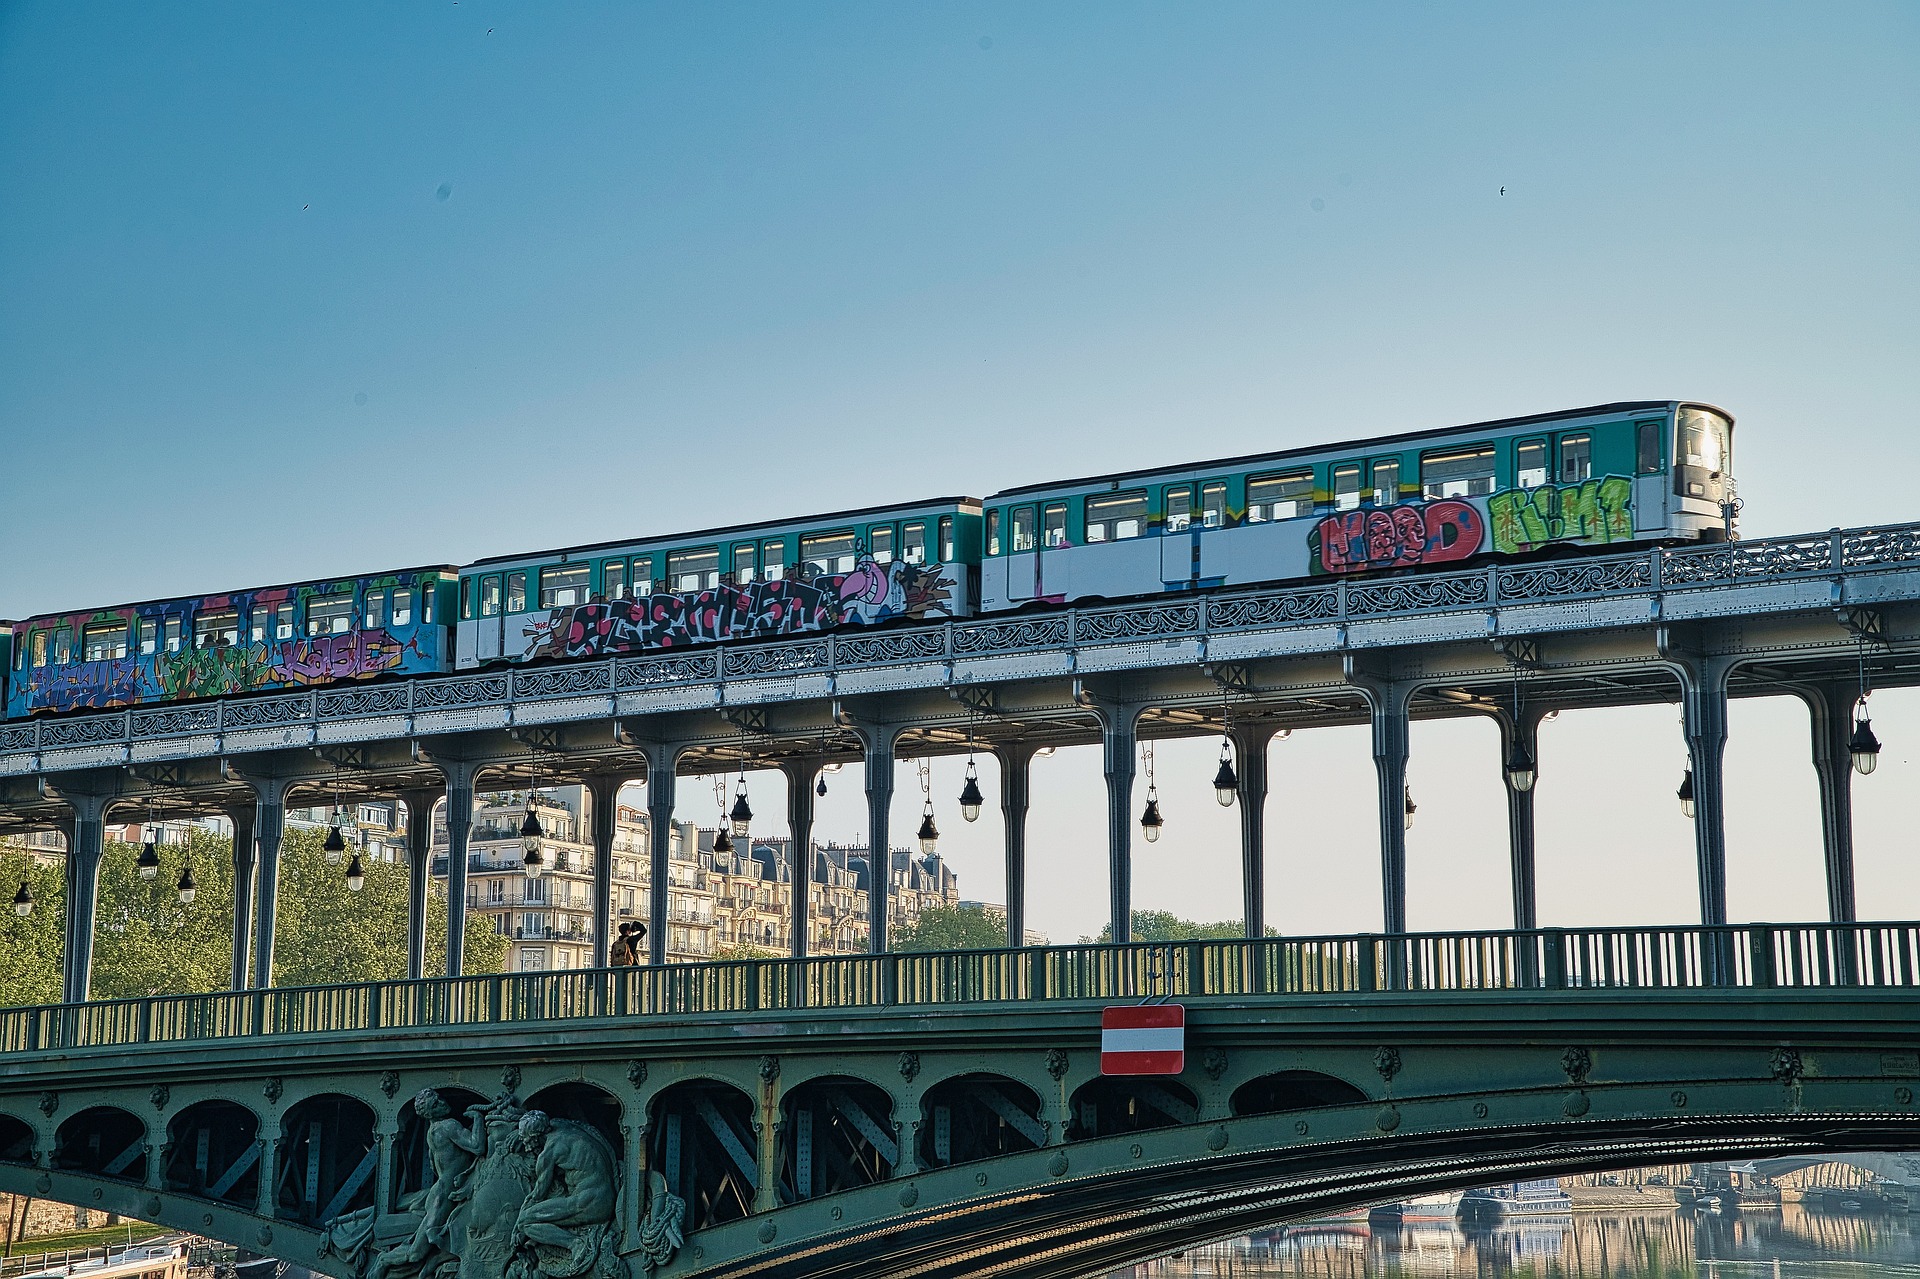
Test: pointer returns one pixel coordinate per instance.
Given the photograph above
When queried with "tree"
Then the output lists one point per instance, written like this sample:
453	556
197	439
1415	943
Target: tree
744	950
145	941
1164	925
30	947
954	928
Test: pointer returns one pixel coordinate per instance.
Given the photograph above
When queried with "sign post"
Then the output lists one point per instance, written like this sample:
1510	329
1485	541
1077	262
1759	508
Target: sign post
1143	1039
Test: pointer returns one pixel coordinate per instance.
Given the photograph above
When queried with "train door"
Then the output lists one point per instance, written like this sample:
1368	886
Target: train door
1023	560
1649	476
1056	566
1179	537
1210	544
490	633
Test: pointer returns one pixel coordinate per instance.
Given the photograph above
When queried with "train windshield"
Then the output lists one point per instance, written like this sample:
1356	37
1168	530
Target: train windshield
1704	439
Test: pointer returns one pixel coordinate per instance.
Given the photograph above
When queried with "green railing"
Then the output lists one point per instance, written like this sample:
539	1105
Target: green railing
1753	956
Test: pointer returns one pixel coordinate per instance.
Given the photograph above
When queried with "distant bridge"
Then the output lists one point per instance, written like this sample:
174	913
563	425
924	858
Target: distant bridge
944	1115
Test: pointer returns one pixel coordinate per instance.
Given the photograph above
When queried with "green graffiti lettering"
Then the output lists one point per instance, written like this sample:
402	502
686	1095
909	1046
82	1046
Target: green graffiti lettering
1592	513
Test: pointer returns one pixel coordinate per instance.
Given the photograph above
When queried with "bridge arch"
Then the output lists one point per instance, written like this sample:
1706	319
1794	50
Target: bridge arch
327	1155
1110	1105
703	1140
978	1116
104	1141
17	1140
410	1159
1288	1090
213	1151
585	1103
836	1134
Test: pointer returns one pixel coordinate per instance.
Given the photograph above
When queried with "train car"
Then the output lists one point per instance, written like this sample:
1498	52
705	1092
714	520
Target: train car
275	637
746	581
1598	478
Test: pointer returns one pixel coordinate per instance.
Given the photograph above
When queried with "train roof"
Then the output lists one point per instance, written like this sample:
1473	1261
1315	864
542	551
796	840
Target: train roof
1360	445
243	590
727	531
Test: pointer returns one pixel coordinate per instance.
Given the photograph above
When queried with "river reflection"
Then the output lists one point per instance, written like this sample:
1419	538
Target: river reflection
1782	1243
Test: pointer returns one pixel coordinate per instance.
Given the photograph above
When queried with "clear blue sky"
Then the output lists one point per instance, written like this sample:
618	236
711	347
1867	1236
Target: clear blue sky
293	291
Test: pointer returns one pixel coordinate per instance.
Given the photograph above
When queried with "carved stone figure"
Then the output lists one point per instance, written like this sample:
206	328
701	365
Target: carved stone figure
451	1150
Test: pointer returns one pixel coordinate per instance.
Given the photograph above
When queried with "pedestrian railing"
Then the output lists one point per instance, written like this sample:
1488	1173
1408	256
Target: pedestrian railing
1753	956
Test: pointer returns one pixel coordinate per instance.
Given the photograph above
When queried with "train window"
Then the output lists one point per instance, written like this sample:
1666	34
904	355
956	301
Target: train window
219	628
1703	439
490	595
40	639
1576	458
1213	505
743	563
466	599
1115	517
1459	473
517	591
1647	448
20	653
946	539
565	585
376	610
427	591
329	614
694	570
1386	482
880	543
613	579
913	543
993	532
1346	487
1053	525
62	646
268	622
1023	535
1279	497
1179	509
400	612
149	631
773	560
1530	463
103	641
172	634
829	553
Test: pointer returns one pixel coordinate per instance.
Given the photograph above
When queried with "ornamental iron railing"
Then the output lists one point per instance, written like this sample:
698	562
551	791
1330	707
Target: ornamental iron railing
1752	956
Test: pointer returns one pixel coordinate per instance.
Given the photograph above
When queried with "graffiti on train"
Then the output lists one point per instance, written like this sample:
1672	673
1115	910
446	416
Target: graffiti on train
1590	513
1410	535
872	592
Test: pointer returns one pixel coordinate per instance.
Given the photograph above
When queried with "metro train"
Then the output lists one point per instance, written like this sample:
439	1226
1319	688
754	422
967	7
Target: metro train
1597	479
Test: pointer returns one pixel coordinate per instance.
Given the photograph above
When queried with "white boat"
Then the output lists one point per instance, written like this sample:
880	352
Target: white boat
1444	1206
1542	1198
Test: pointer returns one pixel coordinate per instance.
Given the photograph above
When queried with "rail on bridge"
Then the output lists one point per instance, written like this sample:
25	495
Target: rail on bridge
944	1114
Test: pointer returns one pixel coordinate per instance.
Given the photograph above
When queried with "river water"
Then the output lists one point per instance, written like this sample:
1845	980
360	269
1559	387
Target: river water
1789	1242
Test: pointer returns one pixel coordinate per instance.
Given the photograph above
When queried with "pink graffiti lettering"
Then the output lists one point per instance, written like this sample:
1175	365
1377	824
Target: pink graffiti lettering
1408	536
325	658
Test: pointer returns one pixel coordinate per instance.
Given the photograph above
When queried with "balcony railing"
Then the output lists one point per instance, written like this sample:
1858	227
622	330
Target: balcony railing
1756	956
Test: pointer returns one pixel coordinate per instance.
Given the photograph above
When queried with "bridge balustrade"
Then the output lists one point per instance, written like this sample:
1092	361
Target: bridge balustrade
1657	958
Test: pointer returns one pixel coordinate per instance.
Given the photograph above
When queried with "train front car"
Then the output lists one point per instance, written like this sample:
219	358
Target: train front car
745	582
272	639
1592	479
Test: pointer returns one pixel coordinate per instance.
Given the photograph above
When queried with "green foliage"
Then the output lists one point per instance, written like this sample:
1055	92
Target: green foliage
953	928
30	947
742	950
144	941
1164	925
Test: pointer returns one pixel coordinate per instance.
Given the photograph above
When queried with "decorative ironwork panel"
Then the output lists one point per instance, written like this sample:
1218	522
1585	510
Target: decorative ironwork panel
474	691
653	672
17	738
1868	547
175	720
1685	568
773	659
1282	608
83	732
1417	595
563	681
1143	622
1594	577
350	702
896	646
995	637
265	712
1778	557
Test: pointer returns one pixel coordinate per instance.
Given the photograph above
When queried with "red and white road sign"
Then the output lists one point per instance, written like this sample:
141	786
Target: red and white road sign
1143	1039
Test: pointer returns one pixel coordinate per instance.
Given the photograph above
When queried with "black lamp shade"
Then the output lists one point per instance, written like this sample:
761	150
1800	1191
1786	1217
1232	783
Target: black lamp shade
1685	793
1521	773
186	887
1150	820
148	863
971	799
929	834
723	842
334	844
1226	782
356	875
1865	748
741	814
23	901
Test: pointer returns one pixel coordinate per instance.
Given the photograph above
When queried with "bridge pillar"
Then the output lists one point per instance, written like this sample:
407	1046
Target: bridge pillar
244	861
1016	768
269	824
800	777
419	874
879	740
1521	732
1830	707
86	841
604	790
459	774
1387	701
269	1163
1250	745
1118	738
1703	698
662	760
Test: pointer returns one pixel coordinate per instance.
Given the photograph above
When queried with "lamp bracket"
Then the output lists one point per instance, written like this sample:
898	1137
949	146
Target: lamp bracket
1519	651
1229	675
976	697
751	718
1867	625
355	759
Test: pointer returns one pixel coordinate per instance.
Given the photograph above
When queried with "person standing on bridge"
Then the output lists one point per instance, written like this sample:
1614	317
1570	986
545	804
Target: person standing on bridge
620	954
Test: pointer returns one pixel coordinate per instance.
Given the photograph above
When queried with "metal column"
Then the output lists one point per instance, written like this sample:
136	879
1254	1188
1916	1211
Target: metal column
1117	741
1704	696
661	760
604	792
1016	764
269	823
879	744
1388	704
800	775
419	874
1830	707
1523	733
244	861
1250	745
86	840
459	775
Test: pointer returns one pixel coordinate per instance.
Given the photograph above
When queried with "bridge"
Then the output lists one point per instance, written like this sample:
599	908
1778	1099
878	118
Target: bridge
945	1114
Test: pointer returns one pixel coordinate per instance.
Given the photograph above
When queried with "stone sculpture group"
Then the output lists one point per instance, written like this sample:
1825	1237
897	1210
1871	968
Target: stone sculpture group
513	1194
